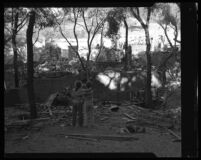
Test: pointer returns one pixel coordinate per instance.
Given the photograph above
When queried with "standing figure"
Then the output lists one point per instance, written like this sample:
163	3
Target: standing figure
77	102
88	105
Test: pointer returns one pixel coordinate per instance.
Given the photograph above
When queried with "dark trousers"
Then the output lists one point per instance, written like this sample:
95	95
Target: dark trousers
77	112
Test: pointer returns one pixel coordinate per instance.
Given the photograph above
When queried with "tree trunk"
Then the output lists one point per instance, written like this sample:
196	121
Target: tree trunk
126	45
101	46
14	46
148	95
30	69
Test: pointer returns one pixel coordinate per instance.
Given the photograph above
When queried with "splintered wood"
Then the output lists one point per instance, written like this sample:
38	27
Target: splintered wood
50	101
130	117
174	134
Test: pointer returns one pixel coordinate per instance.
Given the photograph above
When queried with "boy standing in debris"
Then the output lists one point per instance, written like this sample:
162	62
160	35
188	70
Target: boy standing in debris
77	101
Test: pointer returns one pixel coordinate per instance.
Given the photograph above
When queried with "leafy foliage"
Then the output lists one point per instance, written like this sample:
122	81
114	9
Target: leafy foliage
114	19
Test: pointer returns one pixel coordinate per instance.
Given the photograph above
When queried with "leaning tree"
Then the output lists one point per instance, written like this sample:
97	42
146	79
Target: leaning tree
42	17
137	13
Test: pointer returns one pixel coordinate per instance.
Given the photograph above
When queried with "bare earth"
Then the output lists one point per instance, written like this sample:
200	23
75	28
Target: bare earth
51	137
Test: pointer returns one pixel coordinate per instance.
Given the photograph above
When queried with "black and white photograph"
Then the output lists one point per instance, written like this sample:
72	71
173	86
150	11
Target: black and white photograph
93	79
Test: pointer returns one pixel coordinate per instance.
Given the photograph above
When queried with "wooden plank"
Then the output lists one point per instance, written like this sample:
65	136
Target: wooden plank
174	134
47	112
106	137
24	122
49	102
51	99
129	116
82	138
50	111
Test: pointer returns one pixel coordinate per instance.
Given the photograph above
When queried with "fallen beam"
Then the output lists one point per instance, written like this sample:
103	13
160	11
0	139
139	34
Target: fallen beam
105	137
45	112
49	102
174	134
129	116
24	122
82	138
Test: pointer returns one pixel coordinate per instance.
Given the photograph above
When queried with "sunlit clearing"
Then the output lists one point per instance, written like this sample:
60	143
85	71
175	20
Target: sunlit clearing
124	80
112	86
134	79
117	75
155	82
103	79
110	73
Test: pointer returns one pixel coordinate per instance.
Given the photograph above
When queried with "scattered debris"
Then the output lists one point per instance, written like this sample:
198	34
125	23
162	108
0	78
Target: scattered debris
81	138
62	125
49	102
130	129
135	129
95	107
114	108
51	99
129	116
174	134
123	130
106	103
25	137
25	122
104	118
55	112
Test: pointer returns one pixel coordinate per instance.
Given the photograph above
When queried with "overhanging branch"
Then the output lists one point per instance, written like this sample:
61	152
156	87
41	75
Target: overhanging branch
72	47
37	36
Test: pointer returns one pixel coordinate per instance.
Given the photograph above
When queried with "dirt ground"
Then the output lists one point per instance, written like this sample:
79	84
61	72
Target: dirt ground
50	136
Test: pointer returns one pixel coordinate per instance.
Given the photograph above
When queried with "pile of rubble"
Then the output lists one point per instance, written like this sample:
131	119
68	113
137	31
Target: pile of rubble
125	117
131	118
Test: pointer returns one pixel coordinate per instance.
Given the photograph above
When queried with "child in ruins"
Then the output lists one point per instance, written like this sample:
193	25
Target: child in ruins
88	105
77	101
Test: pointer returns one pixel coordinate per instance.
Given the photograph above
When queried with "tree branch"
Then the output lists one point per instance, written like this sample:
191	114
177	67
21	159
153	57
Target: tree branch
84	21
22	26
72	47
176	35
8	29
101	45
78	24
37	36
138	12
148	15
165	31
91	25
22	21
74	28
7	40
137	16
12	20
